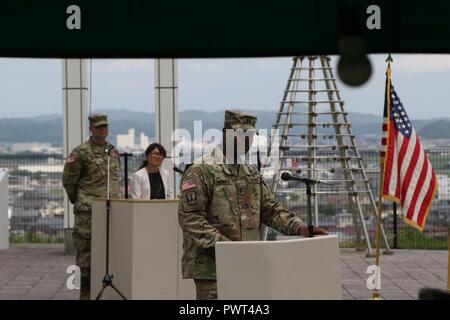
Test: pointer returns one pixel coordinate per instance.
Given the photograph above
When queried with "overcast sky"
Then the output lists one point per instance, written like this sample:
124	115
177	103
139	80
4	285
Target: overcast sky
30	87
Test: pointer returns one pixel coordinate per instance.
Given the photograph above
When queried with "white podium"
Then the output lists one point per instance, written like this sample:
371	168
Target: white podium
4	221
145	250
301	268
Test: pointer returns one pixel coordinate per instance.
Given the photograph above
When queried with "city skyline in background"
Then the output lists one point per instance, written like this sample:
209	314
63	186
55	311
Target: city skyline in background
32	87
31	149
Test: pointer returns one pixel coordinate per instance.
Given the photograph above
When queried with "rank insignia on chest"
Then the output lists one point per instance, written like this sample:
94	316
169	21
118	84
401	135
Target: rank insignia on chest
191	198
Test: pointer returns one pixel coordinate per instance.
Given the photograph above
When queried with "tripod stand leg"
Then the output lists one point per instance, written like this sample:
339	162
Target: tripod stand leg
100	294
118	292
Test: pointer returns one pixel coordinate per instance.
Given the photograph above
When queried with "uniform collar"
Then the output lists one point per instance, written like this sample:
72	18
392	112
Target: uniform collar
218	156
98	148
246	169
97	145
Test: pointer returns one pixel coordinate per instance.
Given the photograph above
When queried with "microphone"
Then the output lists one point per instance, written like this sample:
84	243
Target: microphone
176	169
286	176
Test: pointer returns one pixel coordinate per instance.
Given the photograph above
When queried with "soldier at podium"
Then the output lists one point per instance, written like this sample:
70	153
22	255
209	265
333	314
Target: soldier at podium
223	200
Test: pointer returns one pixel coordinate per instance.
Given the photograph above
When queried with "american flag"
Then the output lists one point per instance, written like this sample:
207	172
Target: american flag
408	177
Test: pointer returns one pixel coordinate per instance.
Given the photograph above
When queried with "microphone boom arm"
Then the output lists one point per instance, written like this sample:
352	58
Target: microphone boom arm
286	176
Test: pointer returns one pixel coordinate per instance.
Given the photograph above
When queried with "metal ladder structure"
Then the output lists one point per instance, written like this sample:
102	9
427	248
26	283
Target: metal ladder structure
312	109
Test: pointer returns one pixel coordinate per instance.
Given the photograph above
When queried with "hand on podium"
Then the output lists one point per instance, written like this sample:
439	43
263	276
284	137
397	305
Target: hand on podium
303	231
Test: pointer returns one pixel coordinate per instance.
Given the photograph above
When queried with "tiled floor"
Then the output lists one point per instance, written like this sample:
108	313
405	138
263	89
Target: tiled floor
35	272
403	274
39	272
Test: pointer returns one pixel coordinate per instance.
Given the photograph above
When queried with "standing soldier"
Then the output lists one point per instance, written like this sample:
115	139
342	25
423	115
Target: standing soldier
84	178
222	200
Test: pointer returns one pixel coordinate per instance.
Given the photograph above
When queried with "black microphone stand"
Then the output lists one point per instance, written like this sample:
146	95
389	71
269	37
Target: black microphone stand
308	182
125	171
107	278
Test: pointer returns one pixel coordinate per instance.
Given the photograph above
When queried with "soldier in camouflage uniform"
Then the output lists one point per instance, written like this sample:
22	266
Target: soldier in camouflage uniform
84	178
226	202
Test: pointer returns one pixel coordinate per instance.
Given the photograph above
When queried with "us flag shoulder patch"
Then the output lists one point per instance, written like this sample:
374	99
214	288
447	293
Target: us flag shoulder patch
70	160
187	185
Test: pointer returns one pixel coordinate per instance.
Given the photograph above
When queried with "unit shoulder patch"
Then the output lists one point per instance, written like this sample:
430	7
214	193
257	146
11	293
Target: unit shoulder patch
191	198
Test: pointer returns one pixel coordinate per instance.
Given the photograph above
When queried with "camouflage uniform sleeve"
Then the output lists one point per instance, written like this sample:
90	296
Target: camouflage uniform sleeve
116	153
116	165
276	216
192	211
71	175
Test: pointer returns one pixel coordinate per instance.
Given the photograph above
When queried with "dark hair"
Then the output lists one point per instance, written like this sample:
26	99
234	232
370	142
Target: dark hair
149	149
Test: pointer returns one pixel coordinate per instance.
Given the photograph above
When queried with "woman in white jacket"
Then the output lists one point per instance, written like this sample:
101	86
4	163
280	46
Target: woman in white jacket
151	181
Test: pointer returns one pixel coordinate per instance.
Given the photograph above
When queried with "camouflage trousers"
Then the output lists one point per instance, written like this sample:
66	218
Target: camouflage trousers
82	243
206	289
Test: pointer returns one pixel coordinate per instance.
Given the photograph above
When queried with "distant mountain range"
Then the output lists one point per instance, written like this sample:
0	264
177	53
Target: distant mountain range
48	128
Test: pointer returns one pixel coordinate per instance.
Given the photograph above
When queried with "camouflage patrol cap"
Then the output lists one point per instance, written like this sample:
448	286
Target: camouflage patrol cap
98	119
235	119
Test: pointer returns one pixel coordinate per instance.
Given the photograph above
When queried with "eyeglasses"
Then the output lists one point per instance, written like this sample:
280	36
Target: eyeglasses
157	155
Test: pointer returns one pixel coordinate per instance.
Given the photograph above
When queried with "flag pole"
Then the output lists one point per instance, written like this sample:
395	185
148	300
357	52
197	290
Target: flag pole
448	262
376	293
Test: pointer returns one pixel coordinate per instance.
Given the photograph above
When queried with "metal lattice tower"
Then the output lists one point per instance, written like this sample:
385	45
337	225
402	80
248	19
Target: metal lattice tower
317	139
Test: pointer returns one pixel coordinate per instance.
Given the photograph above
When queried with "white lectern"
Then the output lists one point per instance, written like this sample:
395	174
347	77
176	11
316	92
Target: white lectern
4	222
298	268
145	250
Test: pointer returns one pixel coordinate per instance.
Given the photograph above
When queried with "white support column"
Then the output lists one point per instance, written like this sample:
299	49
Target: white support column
75	129
4	219
166	110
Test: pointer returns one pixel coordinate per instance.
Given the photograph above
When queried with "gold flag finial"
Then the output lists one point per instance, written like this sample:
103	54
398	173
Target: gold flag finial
389	58
388	69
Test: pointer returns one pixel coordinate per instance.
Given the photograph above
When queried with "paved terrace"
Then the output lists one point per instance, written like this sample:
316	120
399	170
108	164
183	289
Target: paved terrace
39	272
